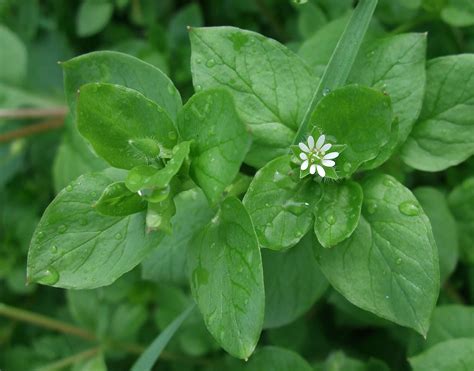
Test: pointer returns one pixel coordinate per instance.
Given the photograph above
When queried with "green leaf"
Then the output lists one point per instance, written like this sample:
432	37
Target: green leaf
167	262
460	201
449	322
444	133
149	177
96	363
280	204
220	141
117	200
152	353
435	205
93	16
227	279
73	158
293	283
395	65
75	247
340	65
451	355
310	19
358	117
125	135
271	85
13	58
458	13
120	69
159	214
337	213
389	266
277	359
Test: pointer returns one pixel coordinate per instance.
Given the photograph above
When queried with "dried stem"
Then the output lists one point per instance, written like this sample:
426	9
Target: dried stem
33	113
32	129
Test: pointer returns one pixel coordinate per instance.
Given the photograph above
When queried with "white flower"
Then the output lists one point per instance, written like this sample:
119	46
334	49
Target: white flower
315	157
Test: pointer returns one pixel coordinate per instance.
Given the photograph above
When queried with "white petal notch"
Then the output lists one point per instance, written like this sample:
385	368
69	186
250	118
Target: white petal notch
314	155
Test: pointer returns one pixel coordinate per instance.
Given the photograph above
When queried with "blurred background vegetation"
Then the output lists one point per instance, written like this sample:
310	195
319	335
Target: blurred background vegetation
40	152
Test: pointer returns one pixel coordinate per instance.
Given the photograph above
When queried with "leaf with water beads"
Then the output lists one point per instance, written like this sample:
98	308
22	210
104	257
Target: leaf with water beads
280	204
76	247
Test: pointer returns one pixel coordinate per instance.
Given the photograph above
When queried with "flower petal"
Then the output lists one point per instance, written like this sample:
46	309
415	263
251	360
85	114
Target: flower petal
303	156
304	165
326	147
321	171
330	156
328	163
312	169
310	142
303	147
320	142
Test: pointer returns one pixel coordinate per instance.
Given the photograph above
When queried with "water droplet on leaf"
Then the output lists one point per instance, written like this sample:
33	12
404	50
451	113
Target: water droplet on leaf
409	208
371	207
69	188
211	63
118	236
347	168
62	228
54	249
331	219
399	261
326	91
48	277
171	89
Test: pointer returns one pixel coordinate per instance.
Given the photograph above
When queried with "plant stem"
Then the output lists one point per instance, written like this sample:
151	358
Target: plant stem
43	321
32	129
68	361
66	328
339	66
32	113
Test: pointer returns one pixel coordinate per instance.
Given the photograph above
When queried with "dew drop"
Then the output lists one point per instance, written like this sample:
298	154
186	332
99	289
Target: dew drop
69	188
326	91
198	87
409	208
200	277
198	61
40	236
388	182
331	219
54	249
295	208
399	261
347	168
48	277
371	207
211	63
62	228
387	297
171	89
118	236
93	194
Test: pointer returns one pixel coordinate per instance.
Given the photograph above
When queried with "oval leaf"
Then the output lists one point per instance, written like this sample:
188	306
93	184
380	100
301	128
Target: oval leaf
75	247
227	279
280	204
125	135
220	140
355	116
389	266
293	282
444	133
271	85
338	212
277	359
120	69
